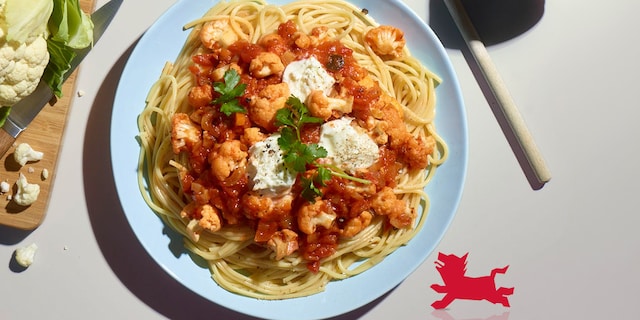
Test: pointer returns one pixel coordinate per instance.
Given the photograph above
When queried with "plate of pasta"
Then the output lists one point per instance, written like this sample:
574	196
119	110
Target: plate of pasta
307	155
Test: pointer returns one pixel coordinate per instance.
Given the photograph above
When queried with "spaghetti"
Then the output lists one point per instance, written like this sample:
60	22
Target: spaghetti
267	246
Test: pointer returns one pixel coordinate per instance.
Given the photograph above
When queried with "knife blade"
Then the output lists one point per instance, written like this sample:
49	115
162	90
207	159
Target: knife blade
23	112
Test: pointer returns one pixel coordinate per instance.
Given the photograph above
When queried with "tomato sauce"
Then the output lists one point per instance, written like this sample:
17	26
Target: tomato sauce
227	195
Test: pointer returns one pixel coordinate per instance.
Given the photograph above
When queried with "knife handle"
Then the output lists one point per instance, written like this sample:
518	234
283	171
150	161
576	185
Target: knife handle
6	142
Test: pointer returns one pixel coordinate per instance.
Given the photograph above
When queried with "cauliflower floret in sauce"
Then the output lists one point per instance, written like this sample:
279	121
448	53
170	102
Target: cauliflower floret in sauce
218	32
387	203
266	103
386	41
357	224
388	126
184	133
324	107
283	243
266	64
312	215
261	207
204	217
227	157
201	96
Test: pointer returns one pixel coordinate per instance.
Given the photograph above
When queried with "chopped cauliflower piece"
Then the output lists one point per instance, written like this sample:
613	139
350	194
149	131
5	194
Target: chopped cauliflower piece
27	192
24	153
45	174
4	187
25	255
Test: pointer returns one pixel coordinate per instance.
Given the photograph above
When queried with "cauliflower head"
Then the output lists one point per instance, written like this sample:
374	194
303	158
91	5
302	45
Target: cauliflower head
23	54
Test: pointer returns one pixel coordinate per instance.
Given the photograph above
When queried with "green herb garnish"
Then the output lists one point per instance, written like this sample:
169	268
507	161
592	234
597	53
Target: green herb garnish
298	155
230	90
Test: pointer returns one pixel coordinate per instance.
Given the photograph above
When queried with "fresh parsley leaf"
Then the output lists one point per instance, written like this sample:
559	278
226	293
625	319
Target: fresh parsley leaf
300	113
284	117
232	106
230	90
298	156
309	190
323	176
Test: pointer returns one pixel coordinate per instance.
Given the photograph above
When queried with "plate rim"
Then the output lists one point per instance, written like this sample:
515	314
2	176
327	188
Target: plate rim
261	306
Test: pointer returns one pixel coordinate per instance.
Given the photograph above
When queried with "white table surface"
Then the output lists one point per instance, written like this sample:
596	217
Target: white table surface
573	247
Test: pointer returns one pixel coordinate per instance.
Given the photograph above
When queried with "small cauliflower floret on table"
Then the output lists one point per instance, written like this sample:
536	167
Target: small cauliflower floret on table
312	215
184	133
27	193
265	105
25	255
324	107
386	41
25	153
283	243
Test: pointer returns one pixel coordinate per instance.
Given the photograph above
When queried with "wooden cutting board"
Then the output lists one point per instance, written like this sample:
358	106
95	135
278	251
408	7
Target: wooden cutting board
43	134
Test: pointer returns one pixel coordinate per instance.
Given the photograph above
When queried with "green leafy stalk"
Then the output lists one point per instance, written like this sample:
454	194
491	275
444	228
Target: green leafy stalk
70	29
230	90
298	155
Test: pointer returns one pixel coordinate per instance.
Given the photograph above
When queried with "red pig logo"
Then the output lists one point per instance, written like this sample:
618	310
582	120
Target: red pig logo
452	269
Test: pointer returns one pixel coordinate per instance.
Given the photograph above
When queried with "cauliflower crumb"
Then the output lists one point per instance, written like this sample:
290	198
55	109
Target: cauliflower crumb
4	187
45	174
25	255
24	153
80	93
31	170
27	192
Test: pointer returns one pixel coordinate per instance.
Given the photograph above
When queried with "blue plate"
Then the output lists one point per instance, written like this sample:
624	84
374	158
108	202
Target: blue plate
161	43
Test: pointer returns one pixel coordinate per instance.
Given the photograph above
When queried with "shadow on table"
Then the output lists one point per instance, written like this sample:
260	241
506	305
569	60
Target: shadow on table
119	245
496	21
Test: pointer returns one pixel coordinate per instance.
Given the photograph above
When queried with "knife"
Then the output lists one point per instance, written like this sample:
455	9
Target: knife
23	112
